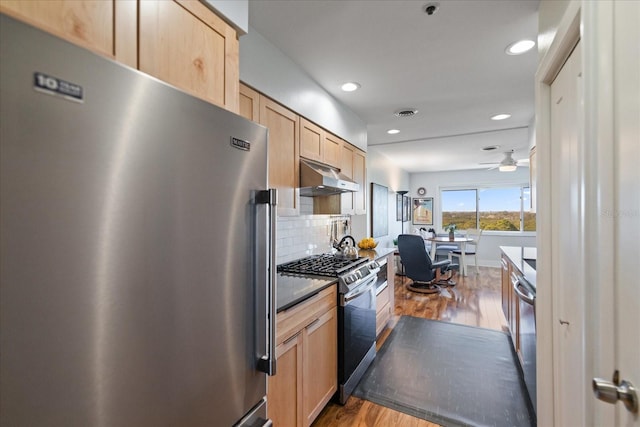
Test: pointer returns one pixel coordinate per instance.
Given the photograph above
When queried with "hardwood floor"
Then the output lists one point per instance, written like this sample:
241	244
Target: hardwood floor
475	301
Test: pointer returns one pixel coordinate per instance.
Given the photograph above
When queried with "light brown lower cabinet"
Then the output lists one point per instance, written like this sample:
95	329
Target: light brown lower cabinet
385	298
307	372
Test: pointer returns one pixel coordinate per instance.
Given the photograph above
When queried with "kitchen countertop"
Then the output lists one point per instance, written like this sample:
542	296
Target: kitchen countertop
292	289
517	255
376	253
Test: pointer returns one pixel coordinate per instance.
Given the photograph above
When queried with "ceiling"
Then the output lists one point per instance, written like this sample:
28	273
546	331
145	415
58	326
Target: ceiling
450	66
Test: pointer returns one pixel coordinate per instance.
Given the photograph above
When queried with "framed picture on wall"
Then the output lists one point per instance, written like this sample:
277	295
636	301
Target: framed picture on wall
379	213
423	211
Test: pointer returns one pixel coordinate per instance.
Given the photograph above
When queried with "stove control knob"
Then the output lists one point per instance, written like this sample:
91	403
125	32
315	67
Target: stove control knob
349	279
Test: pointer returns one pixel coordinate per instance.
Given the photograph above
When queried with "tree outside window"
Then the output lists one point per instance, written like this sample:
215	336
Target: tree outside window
490	208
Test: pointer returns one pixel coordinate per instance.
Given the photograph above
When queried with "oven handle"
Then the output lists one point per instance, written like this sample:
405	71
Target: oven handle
528	298
360	290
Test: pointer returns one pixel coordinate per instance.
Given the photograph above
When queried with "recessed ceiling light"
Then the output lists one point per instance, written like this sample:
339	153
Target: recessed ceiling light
406	112
520	47
350	86
393	131
501	116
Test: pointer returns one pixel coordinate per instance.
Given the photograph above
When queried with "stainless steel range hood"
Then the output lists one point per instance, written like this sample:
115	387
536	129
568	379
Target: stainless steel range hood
321	180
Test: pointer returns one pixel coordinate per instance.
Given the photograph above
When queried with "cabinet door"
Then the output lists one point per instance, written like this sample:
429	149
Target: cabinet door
311	140
185	44
504	263
107	27
283	154
332	147
383	310
249	103
320	372
284	390
360	176
346	167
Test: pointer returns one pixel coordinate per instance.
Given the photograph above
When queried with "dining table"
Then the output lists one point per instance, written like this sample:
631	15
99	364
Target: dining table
443	240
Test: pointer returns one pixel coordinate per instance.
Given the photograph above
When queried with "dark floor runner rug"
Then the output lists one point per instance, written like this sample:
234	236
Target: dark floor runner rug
453	375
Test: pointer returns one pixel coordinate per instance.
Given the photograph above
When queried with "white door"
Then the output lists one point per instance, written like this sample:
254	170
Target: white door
619	123
567	227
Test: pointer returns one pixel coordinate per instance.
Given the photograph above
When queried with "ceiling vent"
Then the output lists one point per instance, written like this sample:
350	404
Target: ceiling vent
490	148
406	112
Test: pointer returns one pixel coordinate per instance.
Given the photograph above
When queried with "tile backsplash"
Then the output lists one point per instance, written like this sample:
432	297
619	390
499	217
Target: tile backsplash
304	235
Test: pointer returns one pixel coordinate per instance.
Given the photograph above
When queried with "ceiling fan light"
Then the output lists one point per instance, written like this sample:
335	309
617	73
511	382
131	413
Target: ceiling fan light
507	168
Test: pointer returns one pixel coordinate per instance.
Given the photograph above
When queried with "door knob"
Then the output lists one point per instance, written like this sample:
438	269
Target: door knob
612	391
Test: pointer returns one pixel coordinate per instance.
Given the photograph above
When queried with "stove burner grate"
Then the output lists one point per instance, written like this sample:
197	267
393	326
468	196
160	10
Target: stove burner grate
322	265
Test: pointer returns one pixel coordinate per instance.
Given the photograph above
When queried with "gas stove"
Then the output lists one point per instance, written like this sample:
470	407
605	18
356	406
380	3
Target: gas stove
350	272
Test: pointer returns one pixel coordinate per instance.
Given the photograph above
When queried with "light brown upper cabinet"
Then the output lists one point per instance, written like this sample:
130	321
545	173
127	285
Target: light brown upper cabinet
249	103
346	167
311	140
332	147
284	159
360	176
353	165
106	27
185	44
318	144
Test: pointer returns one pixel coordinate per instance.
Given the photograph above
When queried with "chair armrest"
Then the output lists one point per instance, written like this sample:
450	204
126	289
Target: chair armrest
442	263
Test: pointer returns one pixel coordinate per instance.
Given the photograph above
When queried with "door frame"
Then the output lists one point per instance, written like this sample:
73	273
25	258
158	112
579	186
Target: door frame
591	22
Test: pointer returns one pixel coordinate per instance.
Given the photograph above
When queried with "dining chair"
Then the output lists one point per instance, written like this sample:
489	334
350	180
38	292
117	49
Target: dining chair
471	248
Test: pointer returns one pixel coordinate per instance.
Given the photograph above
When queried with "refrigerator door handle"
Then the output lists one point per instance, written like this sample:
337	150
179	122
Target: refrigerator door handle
267	363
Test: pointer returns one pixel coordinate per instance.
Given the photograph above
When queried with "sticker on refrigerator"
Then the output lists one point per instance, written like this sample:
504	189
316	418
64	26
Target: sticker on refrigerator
55	86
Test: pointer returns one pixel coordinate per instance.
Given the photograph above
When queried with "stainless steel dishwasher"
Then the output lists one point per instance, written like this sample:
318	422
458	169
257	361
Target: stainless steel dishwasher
527	306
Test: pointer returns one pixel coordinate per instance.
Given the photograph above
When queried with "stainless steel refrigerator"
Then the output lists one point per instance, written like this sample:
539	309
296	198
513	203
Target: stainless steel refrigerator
136	247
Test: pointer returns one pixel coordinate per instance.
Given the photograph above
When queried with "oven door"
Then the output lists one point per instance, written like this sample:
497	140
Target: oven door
356	335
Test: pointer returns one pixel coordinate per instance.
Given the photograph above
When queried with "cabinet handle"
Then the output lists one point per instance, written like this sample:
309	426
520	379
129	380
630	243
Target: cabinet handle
312	323
288	340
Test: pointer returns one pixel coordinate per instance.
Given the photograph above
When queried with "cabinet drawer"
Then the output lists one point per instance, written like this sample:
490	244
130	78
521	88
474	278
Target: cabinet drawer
291	321
382	299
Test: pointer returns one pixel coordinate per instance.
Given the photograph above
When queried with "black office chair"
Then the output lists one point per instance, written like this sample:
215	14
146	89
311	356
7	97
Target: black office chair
426	275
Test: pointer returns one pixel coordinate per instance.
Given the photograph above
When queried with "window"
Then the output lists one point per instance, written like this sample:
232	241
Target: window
490	208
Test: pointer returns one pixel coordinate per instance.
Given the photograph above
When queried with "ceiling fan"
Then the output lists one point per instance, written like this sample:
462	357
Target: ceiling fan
508	164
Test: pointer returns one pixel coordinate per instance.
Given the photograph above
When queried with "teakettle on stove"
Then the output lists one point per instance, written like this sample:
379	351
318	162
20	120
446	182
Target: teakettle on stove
346	247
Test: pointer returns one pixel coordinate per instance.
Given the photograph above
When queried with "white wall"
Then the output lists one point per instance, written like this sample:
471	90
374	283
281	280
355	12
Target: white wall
489	250
267	69
381	171
550	13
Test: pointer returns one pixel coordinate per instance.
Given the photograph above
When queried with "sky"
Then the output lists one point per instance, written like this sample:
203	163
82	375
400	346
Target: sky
491	199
